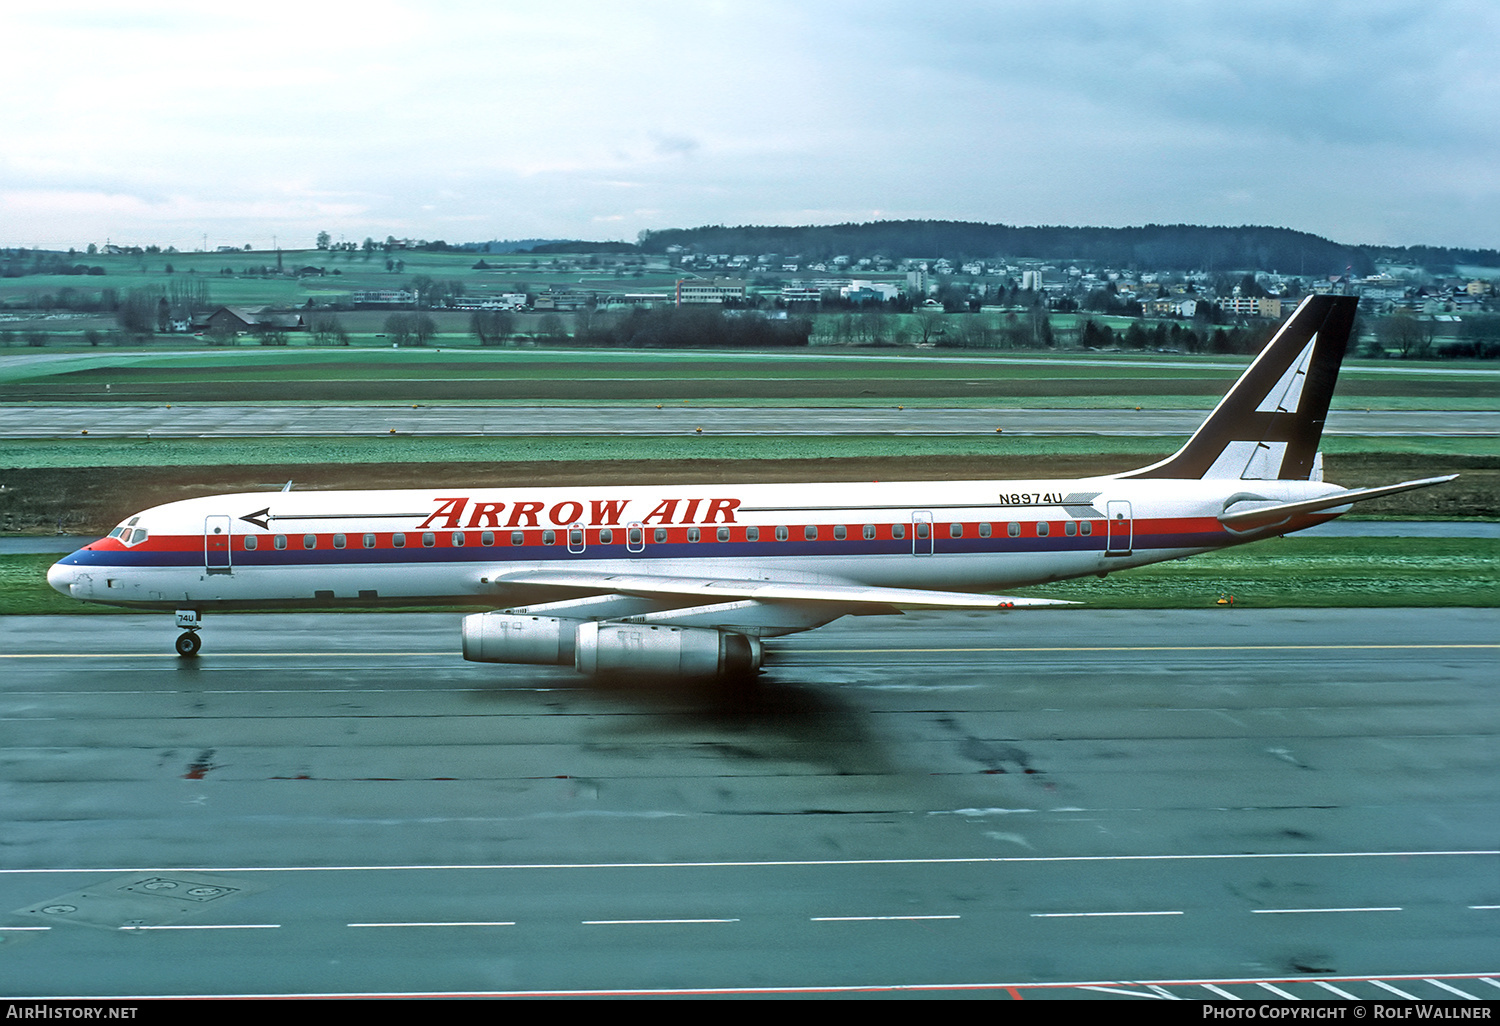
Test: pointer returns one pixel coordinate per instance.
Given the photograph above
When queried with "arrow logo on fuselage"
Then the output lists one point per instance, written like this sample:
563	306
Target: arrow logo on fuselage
258	518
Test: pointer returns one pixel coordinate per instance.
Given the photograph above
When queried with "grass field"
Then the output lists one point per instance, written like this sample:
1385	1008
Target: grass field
511	375
89	484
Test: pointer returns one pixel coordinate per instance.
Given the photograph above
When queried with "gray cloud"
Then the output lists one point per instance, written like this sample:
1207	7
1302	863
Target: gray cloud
1370	121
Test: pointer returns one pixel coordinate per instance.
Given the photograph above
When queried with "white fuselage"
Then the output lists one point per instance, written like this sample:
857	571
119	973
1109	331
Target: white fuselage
457	545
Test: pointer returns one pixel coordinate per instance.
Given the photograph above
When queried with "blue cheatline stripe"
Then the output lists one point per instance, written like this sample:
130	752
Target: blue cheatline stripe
828	549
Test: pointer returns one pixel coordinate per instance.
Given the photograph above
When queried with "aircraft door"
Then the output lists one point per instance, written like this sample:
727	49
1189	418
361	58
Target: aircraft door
216	542
635	537
576	538
921	533
1120	532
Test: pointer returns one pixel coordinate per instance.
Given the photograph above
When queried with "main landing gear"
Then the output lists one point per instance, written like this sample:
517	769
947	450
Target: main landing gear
188	642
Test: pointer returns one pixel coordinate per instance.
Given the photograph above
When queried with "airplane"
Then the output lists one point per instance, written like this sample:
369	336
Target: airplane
685	582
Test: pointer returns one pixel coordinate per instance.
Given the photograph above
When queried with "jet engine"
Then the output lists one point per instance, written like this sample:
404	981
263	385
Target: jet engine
516	638
638	649
609	648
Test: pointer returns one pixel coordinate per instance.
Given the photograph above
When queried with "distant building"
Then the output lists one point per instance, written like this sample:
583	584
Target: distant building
694	291
384	297
234	319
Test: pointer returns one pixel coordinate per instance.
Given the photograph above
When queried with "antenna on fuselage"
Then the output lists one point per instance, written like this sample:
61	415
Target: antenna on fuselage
287	487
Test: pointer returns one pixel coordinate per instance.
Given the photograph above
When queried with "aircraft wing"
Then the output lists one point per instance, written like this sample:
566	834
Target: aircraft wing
728	590
1258	516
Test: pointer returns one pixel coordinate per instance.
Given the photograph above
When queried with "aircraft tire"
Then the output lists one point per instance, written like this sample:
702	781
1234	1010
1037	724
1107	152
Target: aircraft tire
188	644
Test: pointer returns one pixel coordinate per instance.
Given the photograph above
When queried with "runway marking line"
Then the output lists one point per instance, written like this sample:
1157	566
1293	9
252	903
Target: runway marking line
650	921
1138	648
796	651
1453	990
974	860
222	926
1090	915
374	925
1014	989
1289	911
875	919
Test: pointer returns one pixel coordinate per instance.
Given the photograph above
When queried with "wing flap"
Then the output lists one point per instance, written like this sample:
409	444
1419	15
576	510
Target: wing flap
845	595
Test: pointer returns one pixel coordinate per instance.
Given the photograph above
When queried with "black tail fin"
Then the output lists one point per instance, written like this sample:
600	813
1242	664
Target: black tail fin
1269	425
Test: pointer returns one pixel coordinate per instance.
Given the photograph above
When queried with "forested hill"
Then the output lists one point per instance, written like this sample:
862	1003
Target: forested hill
1166	247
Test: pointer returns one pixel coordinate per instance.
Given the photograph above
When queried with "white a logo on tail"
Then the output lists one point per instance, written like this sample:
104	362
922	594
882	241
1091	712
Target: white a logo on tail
1269	425
1255	460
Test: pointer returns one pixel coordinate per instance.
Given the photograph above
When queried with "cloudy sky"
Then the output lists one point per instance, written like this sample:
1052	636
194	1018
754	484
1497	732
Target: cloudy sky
1366	121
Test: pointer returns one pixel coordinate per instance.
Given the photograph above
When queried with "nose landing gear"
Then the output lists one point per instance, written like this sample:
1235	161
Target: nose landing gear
188	642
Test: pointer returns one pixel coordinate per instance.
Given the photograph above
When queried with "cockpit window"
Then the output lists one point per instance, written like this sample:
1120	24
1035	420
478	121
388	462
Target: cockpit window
134	537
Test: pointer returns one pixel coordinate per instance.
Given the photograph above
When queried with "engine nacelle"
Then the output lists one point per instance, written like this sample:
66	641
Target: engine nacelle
642	649
518	638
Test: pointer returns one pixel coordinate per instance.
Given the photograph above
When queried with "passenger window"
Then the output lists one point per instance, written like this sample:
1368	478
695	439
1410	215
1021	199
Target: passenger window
429	539
984	530
398	541
840	532
250	543
635	537
692	534
339	541
810	532
898	531
309	541
518	538
1043	529
458	539
575	537
924	529
280	541
723	534
369	541
1070	528
752	534
487	538
955	530
869	532
660	535
781	534
1086	528
1013	529
606	536
548	538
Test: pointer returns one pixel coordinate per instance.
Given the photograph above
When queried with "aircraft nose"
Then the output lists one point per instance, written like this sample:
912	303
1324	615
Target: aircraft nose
60	576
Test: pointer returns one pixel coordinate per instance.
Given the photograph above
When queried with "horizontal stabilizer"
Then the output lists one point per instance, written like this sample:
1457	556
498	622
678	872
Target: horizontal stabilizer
1270	516
846	595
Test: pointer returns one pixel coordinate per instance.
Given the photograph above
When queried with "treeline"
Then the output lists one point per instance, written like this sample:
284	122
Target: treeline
689	327
1435	259
659	328
17	263
1176	247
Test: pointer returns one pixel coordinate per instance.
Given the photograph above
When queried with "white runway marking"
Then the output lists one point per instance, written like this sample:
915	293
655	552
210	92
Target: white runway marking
767	863
1291	911
650	921
1090	915
374	925
873	919
222	926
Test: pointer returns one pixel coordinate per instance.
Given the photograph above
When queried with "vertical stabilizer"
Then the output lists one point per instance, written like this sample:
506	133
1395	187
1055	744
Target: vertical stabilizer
1269	425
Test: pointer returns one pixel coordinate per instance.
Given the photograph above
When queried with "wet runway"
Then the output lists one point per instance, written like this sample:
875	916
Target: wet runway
214	421
1043	799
